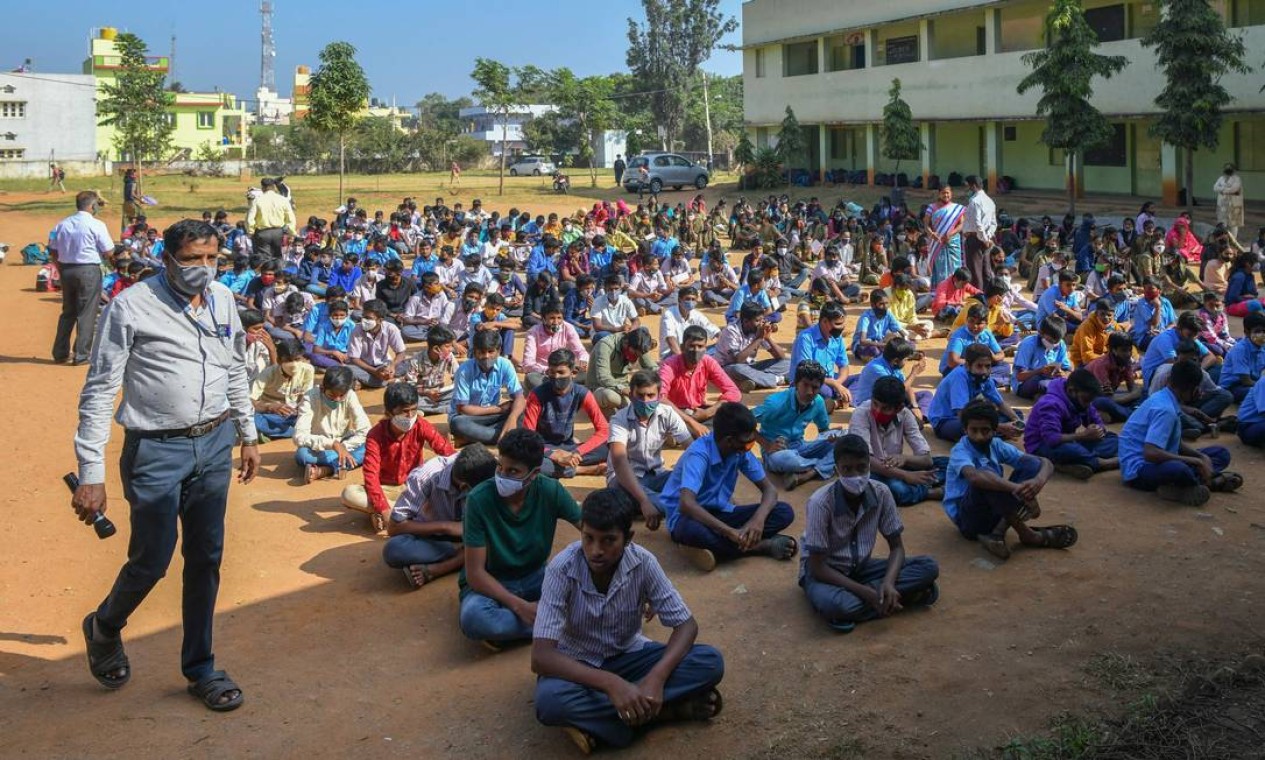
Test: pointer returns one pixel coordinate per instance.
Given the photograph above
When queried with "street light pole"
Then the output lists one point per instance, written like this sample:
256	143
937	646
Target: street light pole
707	117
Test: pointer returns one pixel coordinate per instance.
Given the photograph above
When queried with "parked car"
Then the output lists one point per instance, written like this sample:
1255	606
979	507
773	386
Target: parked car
666	169
533	165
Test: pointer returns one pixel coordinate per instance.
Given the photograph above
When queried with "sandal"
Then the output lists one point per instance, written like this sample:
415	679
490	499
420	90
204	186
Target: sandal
1056	536
703	559
1226	482
1191	496
378	521
995	545
214	686
105	657
783	547
584	741
412	580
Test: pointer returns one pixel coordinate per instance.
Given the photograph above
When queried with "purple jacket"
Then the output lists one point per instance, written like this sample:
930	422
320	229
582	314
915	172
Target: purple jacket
1053	416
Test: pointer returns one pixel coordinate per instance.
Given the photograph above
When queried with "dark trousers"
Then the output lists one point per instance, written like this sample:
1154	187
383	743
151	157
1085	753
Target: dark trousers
838	605
977	262
170	481
1171	473
547	467
692	533
1076	452
1253	433
80	294
267	243
980	511
1112	411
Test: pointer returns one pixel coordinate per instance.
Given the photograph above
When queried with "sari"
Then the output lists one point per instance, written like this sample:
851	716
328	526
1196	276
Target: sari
945	259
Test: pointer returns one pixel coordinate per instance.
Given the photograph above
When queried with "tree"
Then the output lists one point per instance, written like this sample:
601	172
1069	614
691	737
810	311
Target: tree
136	104
549	134
500	90
586	104
1064	71
338	96
901	139
744	152
1194	50
666	51
380	147
791	146
436	111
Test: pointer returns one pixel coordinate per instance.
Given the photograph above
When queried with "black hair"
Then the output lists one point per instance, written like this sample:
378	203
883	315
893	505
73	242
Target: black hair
430	278
399	395
693	333
523	446
338	306
584	280
975	352
608	509
876	295
638	340
186	231
1189	320
335	292
249	317
980	409
977	311
562	357
1187	348
643	378
612	281
811	371
1255	320
289	349
688	290
551	307
473	287
338	379
1186	376
1054	326
438	336
1119	340
494	299
830	310
374	306
485	340
961	274
900	263
733	419
851	446
1083	380
1104	304
888	390
897	349
755	277
995	287
1066	276
750	310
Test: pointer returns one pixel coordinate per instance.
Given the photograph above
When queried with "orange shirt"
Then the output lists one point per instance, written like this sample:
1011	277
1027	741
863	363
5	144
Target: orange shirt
1090	340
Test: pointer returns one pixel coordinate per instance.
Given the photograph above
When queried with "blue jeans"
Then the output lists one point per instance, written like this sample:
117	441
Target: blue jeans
1076	452
838	605
548	468
1240	392
809	455
692	533
651	485
168	482
407	549
565	703
327	458
903	493
1253	434
274	425
1171	473
485	619
980	511
1032	387
482	428
1112	411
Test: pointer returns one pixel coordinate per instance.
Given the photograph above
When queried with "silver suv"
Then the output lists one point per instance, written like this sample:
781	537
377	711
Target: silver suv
665	169
533	165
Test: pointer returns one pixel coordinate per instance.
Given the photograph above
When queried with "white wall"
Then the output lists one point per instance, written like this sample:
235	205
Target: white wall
60	117
768	20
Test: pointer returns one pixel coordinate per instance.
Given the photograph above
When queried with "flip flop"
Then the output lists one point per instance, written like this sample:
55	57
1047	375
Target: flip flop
583	741
1056	537
214	686
1191	496
412	581
995	545
106	656
1226	482
703	559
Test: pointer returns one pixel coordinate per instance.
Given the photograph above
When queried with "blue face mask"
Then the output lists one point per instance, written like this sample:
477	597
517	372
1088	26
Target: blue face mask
331	403
644	409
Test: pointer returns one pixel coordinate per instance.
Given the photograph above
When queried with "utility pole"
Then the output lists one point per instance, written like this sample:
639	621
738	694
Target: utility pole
171	62
707	117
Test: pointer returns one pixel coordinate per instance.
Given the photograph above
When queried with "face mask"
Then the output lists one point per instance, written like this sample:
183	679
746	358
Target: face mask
644	409
189	281
781	252
337	322
404	422
882	418
434	290
507	486
268	279
1100	268
503	277
470	304
554	328
562	384
1006	280
853	484
687	307
486	364
369	324
694	357
612	295
331	403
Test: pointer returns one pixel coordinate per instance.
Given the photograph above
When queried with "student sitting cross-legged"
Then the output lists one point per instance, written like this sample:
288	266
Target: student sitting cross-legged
638	435
425	526
1113	370
1040	359
784	416
982	502
1153	456
843	582
477	412
1244	361
550	411
886	422
875	327
277	390
431	369
698	497
686	376
1064	427
508	529
975	332
599	678
1251	428
374	347
966	382
895	362
330	431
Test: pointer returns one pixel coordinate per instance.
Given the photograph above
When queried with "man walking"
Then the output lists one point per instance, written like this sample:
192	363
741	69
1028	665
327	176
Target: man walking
620	167
175	345
978	229
79	241
269	216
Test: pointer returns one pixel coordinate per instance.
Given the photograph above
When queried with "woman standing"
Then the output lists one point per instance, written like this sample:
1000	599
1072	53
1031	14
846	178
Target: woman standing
1229	190
943	222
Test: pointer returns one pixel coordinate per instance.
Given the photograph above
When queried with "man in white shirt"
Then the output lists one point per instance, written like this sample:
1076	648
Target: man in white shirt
673	322
612	310
649	290
79	241
639	433
978	229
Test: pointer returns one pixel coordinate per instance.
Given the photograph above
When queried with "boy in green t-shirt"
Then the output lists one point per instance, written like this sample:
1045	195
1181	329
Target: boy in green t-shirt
508	530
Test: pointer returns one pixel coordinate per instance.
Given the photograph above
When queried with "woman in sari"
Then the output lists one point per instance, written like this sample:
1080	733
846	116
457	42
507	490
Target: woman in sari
1184	241
944	223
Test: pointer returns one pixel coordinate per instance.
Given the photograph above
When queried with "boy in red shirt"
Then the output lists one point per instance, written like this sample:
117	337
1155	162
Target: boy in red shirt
951	295
392	449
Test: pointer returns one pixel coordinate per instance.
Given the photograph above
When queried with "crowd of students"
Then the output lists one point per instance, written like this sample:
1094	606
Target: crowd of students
515	328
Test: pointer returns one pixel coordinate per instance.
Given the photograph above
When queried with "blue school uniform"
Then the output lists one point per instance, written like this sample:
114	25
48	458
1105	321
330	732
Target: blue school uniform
1051	296
710	476
1243	358
873	327
1143	311
1163	349
315	317
830	353
780	416
1032	354
1252	410
961	338
344	279
422	265
662	248
863	390
1157	421
473	386
333	338
741	296
956	390
964	454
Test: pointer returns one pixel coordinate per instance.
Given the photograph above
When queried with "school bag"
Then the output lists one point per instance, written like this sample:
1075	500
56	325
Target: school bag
33	254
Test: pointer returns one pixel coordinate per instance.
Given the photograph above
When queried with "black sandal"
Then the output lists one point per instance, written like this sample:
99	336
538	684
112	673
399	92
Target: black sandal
214	686
105	656
1226	482
1056	537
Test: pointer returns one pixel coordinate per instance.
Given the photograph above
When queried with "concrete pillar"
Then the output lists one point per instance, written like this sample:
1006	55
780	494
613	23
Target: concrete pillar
821	55
992	154
924	39
871	41
928	136
992	24
823	143
871	152
1170	174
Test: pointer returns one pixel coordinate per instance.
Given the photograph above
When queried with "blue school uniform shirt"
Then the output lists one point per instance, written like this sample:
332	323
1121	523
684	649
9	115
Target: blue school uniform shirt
472	385
539	262
710	476
863	390
237	281
1163	349
333	338
345	280
1052	295
961	338
1032	354
314	317
1243	358
873	327
964	454
741	296
956	390
1252	410
357	247
1143	311
662	248
1155	422
780	416
477	319
600	258
423	265
811	345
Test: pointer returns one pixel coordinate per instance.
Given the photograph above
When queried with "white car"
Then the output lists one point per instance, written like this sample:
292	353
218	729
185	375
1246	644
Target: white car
533	165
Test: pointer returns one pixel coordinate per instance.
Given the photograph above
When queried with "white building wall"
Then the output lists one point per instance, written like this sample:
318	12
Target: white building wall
59	123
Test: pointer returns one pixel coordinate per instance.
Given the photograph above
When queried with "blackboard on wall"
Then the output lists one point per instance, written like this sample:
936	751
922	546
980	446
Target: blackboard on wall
902	50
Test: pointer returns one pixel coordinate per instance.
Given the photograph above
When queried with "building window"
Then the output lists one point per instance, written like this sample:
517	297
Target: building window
12	154
759	63
957	35
1247	13
11	109
1022	26
1009	133
762	137
1113	152
800	59
170	117
845	52
1250	144
1107	22
206	119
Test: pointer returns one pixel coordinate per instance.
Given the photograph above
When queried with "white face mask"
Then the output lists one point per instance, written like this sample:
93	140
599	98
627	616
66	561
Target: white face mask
337	321
507	486
854	484
369	324
404	422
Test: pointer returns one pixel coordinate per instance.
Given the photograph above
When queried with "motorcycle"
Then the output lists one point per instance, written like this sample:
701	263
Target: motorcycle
561	183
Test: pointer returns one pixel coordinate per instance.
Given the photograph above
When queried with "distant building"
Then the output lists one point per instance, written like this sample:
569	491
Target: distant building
47	117
302	89
271	108
485	125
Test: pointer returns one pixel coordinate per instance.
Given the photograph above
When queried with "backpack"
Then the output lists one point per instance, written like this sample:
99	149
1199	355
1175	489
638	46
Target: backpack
33	254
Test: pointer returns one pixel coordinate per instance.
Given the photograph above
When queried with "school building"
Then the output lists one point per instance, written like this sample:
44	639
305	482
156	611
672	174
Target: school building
959	63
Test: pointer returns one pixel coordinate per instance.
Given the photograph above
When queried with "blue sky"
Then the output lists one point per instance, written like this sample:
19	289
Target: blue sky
407	50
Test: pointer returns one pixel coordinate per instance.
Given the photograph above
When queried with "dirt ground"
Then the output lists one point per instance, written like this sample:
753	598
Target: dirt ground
336	656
